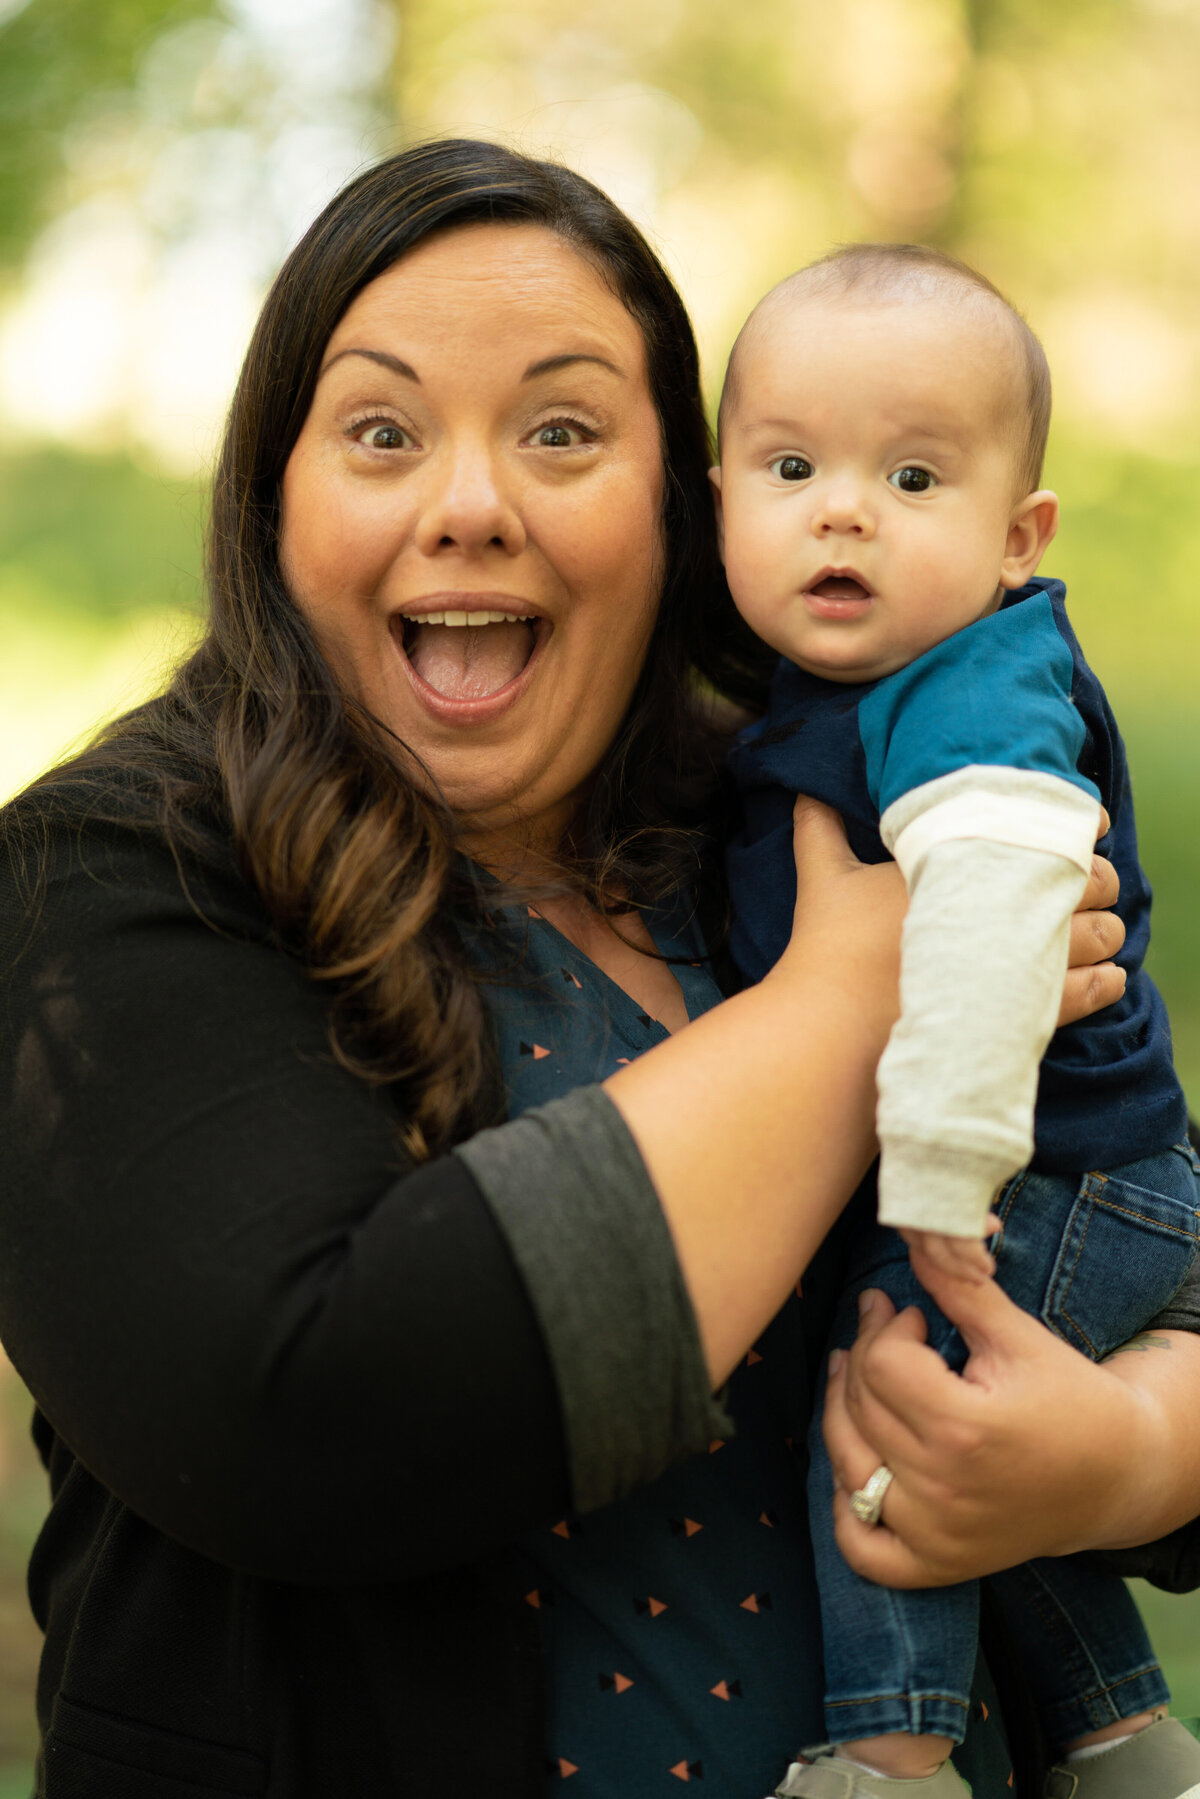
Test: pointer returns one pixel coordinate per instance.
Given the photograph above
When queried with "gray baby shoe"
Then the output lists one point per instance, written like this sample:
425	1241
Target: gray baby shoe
1160	1762
823	1774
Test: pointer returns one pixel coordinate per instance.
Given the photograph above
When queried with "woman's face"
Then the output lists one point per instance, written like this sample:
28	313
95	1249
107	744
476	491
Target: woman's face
471	517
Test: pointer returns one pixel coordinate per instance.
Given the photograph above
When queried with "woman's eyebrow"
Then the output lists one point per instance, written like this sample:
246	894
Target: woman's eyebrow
550	365
547	365
381	356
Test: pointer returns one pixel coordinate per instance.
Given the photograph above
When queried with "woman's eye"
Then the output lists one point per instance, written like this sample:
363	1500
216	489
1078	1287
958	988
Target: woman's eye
382	435
912	480
559	435
792	468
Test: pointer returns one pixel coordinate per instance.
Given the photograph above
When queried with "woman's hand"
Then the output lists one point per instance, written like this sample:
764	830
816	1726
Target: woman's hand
1093	979
848	918
1032	1451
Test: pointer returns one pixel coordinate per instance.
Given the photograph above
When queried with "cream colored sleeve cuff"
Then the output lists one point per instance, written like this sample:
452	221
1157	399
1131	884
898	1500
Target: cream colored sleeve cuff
953	1189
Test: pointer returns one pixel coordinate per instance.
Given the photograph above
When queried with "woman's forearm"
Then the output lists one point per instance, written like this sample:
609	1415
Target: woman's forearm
757	1122
1161	1369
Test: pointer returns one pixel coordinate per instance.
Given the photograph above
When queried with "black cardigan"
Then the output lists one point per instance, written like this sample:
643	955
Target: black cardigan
172	1123
294	1396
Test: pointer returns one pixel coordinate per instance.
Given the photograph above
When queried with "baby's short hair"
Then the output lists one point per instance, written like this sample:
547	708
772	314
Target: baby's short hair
902	272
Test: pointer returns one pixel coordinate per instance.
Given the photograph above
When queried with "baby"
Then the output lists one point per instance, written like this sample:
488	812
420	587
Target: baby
882	432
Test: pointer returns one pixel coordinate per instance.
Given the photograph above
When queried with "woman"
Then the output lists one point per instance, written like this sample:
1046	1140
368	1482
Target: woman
328	1358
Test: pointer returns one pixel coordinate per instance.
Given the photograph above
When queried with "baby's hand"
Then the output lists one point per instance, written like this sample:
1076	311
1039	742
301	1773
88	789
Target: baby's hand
964	1258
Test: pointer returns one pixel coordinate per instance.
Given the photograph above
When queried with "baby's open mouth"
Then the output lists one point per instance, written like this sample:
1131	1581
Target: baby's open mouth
840	587
467	655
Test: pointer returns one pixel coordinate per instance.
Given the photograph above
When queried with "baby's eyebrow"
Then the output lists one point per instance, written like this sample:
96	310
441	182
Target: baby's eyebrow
940	448
775	425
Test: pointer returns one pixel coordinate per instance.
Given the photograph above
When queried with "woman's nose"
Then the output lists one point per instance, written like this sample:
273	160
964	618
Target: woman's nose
843	509
467	505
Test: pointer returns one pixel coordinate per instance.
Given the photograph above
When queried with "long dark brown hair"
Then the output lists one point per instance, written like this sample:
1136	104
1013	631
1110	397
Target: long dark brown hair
353	858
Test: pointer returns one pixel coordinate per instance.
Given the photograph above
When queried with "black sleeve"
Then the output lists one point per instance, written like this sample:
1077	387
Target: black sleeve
232	1300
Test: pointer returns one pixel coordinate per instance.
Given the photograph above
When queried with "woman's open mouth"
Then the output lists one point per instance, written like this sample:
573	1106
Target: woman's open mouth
465	659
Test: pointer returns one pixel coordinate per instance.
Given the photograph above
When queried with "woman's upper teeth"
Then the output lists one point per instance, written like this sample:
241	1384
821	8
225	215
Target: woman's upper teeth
472	618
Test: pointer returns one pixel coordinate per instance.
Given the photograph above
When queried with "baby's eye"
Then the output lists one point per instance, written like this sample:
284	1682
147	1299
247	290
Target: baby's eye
792	468
382	434
913	480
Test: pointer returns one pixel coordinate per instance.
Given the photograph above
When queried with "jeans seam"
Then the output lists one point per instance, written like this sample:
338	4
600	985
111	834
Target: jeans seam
1086	1190
1089	1691
1056	1622
1143	1218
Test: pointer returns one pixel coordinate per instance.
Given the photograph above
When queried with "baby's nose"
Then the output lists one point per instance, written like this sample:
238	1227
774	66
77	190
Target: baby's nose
843	508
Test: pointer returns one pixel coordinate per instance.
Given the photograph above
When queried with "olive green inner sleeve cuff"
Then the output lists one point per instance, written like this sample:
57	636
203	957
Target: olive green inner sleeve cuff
572	1196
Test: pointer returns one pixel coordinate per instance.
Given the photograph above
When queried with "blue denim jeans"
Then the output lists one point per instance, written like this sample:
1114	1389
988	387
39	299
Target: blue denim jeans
1095	1258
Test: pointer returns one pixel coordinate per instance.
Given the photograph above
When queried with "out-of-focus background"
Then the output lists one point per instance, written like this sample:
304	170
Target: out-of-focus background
158	157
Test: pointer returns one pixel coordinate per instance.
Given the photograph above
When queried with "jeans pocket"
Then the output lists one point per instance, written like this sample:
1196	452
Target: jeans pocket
1124	1253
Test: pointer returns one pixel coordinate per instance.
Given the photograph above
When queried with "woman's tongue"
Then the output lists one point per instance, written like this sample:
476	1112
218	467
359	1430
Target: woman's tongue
467	662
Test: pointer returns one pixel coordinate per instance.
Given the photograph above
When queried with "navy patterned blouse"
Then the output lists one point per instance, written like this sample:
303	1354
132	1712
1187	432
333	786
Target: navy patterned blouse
680	1627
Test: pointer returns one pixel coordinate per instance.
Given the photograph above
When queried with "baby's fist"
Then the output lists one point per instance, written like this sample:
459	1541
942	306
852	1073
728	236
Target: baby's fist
963	1258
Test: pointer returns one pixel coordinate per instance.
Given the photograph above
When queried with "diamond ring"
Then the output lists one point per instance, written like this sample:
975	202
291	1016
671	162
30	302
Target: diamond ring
866	1502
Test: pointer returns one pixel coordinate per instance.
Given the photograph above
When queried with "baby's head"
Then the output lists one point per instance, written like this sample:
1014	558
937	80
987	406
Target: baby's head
882	431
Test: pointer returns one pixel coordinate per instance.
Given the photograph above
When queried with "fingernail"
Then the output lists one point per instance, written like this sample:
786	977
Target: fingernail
836	1358
866	1300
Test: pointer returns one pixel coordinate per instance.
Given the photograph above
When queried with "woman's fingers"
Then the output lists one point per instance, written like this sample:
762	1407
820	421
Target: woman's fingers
1103	887
1093	979
819	838
880	1553
903	1399
861	1429
1088	990
861	1432
1094	937
876	1554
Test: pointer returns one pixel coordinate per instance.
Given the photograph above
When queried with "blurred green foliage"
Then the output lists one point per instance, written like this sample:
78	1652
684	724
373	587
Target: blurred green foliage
100	591
59	61
99	534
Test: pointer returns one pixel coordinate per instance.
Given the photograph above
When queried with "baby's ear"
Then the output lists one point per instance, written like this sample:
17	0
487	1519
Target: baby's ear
714	475
1031	531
